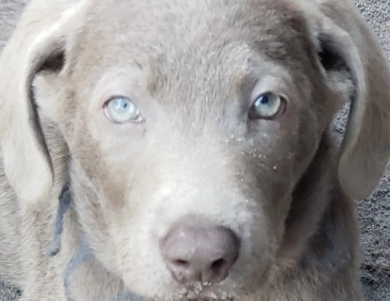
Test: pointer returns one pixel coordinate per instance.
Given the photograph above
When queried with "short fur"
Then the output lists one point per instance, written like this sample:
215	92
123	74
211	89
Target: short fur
193	68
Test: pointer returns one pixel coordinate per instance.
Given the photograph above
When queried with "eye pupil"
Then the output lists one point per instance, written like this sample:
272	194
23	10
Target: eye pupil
122	103
264	99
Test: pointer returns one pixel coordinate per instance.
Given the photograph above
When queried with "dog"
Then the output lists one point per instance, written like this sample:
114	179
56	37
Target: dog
183	150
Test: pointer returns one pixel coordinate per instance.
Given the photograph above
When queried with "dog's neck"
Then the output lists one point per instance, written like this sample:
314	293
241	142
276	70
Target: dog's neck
83	253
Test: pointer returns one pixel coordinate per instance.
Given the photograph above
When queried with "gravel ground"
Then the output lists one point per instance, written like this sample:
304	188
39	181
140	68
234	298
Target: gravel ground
374	213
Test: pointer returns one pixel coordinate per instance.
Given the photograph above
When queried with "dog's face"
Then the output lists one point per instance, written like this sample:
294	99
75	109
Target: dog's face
189	127
180	114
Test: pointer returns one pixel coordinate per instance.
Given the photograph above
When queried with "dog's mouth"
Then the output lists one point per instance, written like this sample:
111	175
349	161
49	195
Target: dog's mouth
230	289
227	290
205	292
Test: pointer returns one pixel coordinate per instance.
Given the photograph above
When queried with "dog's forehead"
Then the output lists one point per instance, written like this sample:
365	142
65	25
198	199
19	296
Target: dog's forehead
194	39
161	26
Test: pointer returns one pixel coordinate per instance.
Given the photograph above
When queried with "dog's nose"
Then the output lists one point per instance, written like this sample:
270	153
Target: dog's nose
197	250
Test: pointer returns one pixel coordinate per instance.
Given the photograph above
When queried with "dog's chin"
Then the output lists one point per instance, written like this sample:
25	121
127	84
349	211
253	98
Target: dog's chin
228	290
174	291
205	292
239	285
199	292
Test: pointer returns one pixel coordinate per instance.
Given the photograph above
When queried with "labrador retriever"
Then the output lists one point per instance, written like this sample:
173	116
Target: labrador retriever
183	150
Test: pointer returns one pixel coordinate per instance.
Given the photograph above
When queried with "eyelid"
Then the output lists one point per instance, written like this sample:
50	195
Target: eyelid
122	81
110	98
269	85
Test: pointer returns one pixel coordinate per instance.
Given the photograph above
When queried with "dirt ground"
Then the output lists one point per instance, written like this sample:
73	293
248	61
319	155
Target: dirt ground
374	213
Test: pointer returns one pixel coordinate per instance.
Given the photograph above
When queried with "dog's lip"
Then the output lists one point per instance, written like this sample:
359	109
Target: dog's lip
206	292
226	291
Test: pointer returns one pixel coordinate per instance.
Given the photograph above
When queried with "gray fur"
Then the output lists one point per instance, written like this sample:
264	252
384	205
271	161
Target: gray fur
285	187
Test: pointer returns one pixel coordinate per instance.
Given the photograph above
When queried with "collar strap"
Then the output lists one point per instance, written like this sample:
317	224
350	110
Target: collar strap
83	252
64	203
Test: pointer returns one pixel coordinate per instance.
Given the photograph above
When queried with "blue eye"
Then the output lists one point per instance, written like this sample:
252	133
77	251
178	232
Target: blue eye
267	106
120	109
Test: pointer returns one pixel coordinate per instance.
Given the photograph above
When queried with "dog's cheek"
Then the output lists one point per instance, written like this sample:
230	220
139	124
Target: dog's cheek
308	139
280	149
137	253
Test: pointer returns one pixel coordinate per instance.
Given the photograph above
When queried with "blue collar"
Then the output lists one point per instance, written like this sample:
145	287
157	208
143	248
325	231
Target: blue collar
83	252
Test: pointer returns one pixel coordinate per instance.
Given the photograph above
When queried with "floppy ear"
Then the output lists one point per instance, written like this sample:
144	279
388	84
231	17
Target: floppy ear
356	66
40	36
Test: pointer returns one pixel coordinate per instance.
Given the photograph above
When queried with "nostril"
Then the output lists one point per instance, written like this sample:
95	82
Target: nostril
218	265
181	263
235	258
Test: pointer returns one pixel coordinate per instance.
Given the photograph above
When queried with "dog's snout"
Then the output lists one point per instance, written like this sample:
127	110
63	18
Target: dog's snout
200	251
